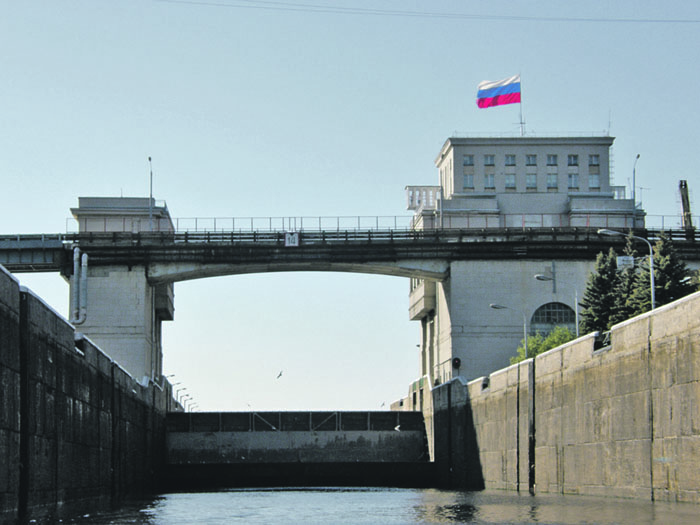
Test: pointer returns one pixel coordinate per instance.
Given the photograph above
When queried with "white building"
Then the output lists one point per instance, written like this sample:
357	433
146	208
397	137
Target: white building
491	184
524	182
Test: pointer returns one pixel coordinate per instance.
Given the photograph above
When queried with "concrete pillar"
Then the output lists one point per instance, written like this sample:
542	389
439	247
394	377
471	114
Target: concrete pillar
124	312
123	318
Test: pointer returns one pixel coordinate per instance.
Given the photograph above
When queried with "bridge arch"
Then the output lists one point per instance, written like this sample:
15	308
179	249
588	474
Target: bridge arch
170	272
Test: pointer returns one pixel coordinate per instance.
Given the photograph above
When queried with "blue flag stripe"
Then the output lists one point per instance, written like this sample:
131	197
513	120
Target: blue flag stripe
501	90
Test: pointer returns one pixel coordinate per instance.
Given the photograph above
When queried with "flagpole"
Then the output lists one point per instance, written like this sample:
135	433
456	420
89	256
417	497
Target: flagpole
522	122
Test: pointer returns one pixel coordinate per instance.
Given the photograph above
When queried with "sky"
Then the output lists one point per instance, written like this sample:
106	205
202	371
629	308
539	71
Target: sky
316	108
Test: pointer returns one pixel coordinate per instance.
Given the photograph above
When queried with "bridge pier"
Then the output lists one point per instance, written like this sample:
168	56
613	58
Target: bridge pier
124	317
124	310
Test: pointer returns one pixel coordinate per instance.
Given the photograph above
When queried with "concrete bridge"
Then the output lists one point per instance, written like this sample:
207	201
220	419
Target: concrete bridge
124	290
173	256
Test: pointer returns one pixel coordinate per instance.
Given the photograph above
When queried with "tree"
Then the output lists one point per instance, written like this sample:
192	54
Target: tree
626	278
672	277
599	298
537	344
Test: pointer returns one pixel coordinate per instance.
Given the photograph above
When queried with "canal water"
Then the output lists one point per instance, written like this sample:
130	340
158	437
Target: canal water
329	506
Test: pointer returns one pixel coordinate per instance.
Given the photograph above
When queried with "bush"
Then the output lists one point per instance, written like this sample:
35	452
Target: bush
538	344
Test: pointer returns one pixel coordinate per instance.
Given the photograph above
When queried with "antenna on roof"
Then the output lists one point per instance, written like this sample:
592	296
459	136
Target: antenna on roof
150	198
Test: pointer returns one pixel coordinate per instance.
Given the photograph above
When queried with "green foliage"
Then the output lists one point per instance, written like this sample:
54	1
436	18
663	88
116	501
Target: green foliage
537	344
672	277
599	298
612	297
626	279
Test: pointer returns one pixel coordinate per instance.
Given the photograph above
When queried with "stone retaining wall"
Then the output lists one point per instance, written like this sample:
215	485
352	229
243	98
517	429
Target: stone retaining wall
77	432
622	420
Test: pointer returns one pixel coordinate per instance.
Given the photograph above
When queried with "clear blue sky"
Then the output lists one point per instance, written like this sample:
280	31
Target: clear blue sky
315	108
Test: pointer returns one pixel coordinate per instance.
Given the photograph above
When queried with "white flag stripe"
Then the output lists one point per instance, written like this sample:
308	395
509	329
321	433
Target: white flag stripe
487	84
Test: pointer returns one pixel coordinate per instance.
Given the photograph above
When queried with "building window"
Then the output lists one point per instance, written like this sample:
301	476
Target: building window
573	181
550	315
531	160
552	160
594	160
469	181
489	181
572	160
531	181
467	160
594	181
489	160
552	181
510	181
510	160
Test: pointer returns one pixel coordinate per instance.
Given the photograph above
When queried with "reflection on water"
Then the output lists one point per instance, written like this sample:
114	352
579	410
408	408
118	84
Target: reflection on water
377	505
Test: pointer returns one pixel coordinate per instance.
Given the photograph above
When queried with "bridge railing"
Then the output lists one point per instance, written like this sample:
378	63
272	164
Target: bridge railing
342	223
398	222
259	224
332	421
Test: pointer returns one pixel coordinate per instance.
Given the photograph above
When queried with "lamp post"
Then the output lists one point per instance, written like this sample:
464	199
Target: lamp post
613	233
150	197
177	392
542	277
634	182
502	307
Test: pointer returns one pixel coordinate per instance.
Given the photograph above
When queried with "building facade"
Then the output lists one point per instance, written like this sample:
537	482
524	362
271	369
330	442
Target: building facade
482	311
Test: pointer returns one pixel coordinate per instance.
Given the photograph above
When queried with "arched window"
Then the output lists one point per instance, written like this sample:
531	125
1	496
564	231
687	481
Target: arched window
549	315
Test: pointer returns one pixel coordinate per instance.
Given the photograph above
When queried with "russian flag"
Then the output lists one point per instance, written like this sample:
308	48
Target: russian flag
506	91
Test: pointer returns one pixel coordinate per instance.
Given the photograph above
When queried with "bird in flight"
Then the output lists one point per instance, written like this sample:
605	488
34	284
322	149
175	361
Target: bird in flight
280	374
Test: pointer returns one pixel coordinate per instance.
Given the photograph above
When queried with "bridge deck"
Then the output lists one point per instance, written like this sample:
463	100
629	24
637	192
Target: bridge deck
31	253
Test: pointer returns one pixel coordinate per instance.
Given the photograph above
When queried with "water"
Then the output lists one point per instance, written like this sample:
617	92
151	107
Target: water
329	506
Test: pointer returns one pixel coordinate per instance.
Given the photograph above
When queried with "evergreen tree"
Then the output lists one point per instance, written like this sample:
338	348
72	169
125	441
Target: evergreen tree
537	344
599	297
622	308
672	277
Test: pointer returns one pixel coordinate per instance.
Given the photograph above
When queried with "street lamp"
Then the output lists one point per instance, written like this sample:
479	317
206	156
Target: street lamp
613	233
150	198
542	277
634	182
177	392
501	307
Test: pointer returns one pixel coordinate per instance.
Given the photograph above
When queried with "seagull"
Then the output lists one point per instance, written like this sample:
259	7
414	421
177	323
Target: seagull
280	374
397	428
